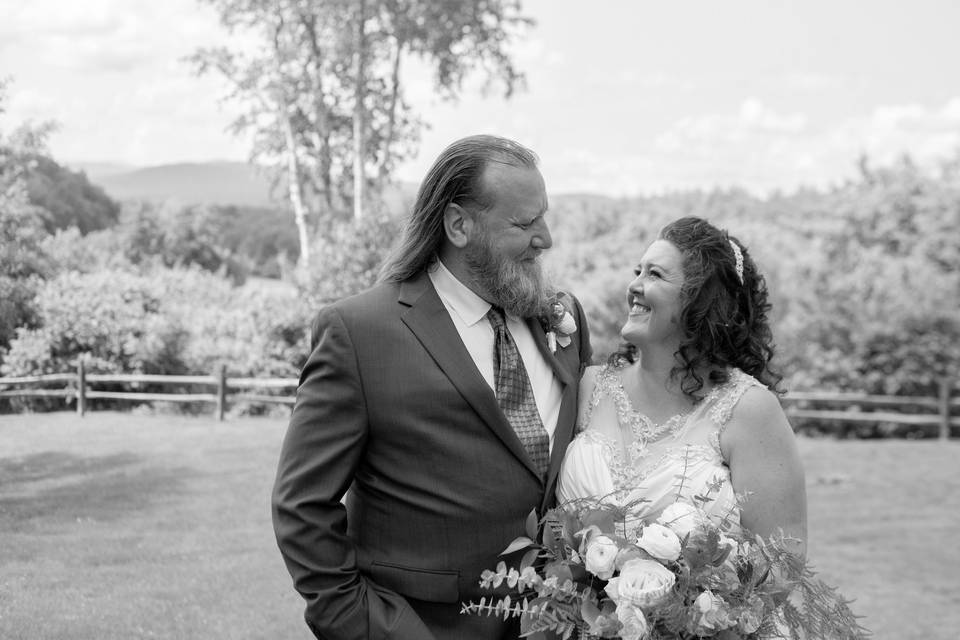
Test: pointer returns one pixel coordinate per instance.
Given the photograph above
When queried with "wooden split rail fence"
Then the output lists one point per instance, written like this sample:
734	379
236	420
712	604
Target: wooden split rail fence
80	386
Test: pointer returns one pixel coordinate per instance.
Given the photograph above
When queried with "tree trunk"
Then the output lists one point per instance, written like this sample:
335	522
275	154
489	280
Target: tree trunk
358	112
294	175
320	133
386	161
295	182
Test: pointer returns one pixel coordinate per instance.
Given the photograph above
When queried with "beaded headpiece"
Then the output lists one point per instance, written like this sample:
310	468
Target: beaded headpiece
738	255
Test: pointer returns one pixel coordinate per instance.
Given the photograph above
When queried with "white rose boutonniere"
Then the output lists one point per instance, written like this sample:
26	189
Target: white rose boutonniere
558	322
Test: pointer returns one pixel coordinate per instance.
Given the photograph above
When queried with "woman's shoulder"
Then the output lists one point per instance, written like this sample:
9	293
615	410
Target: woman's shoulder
602	371
742	393
588	381
597	382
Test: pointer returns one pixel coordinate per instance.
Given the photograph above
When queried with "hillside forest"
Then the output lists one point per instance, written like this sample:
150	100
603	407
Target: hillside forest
864	276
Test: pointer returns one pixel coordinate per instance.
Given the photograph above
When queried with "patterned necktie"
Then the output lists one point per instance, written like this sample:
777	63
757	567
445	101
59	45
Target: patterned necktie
515	394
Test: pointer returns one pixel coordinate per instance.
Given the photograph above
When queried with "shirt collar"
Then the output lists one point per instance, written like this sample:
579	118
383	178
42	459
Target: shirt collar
470	307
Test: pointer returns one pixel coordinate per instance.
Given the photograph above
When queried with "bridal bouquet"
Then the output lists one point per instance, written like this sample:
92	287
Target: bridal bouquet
598	574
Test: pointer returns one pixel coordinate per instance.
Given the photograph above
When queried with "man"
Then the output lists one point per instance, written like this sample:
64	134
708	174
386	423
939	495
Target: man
413	400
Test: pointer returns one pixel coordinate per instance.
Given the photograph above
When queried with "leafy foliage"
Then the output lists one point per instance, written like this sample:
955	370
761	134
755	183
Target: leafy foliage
149	235
68	198
111	320
601	572
864	279
348	257
324	95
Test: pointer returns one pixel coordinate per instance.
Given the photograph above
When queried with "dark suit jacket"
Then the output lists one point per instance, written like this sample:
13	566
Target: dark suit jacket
392	408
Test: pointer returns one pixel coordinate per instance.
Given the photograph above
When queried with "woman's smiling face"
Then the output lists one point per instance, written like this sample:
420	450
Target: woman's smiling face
653	297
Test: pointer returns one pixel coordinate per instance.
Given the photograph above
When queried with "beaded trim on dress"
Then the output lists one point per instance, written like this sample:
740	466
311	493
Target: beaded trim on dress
626	470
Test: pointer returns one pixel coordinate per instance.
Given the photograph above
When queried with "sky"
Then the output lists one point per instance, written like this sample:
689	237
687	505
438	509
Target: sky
624	97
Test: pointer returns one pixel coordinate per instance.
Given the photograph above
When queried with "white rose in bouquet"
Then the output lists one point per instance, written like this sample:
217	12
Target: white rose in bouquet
635	626
660	542
682	518
641	582
599	553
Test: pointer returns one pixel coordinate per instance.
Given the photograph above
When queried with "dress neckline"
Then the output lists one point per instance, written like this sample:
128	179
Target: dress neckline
657	429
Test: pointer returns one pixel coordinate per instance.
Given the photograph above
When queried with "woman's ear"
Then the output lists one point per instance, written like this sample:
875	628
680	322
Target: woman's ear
457	224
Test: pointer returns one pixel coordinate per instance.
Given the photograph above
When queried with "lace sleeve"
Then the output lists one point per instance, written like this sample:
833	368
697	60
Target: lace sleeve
730	395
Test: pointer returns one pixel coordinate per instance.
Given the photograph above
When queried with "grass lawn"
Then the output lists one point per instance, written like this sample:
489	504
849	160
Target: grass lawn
120	526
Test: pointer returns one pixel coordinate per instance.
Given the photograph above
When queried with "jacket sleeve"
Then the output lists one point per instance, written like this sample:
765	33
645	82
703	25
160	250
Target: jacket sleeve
320	454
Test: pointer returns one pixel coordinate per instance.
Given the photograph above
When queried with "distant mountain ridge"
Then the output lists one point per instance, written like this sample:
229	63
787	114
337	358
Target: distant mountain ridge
223	183
227	183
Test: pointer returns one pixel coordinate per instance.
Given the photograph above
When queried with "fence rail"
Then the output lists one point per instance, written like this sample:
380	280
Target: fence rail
80	388
936	411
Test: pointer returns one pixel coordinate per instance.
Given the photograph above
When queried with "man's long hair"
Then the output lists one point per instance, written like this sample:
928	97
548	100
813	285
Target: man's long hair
455	177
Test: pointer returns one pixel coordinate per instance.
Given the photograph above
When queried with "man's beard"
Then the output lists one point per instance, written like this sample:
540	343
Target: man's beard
519	288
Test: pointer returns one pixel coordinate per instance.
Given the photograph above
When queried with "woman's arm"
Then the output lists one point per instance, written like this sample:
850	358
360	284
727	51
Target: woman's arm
761	450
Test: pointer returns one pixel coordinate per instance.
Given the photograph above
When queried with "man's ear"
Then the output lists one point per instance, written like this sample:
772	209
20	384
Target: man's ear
457	224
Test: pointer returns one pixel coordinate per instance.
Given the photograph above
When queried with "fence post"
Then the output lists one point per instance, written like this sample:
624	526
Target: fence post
945	385
81	388
221	391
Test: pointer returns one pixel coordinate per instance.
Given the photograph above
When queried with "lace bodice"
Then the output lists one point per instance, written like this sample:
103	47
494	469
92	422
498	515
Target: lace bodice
621	454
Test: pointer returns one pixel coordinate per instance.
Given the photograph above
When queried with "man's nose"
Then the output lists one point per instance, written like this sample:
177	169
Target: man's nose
541	236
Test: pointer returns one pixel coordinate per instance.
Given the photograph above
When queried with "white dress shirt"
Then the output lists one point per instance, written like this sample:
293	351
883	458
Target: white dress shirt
468	312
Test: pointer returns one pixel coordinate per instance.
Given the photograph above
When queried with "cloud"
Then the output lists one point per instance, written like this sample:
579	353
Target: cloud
752	123
762	150
890	131
810	82
96	36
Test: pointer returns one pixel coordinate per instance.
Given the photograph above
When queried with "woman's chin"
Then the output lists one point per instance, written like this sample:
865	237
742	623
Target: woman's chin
631	334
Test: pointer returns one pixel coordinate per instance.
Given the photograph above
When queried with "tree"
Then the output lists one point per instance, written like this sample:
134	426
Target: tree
323	94
68	197
23	262
875	302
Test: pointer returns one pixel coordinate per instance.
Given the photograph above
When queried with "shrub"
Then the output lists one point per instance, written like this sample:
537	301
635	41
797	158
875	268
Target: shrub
111	320
347	258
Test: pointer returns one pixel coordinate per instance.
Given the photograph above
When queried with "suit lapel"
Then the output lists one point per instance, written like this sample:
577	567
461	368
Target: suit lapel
559	370
566	366
430	322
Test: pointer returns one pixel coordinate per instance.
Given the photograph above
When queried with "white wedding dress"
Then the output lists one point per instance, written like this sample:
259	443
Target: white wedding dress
621	455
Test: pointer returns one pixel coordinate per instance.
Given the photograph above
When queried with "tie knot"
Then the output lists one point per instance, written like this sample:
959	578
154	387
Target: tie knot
496	317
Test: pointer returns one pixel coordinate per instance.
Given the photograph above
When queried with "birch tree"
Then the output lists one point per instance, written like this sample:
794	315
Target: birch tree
322	88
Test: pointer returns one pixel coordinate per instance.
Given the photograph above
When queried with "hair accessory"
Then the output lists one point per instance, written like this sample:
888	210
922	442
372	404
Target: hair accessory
739	257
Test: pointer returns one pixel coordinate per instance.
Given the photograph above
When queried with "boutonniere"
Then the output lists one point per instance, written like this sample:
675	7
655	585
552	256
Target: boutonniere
558	322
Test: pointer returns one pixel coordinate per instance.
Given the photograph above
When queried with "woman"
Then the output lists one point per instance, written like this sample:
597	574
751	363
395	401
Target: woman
688	406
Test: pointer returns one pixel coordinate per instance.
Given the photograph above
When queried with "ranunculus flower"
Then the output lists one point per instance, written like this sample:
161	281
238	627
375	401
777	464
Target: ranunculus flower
712	613
599	554
641	582
682	518
634	623
660	542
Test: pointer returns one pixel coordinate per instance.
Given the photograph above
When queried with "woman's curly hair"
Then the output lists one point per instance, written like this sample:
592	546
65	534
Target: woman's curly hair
723	320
